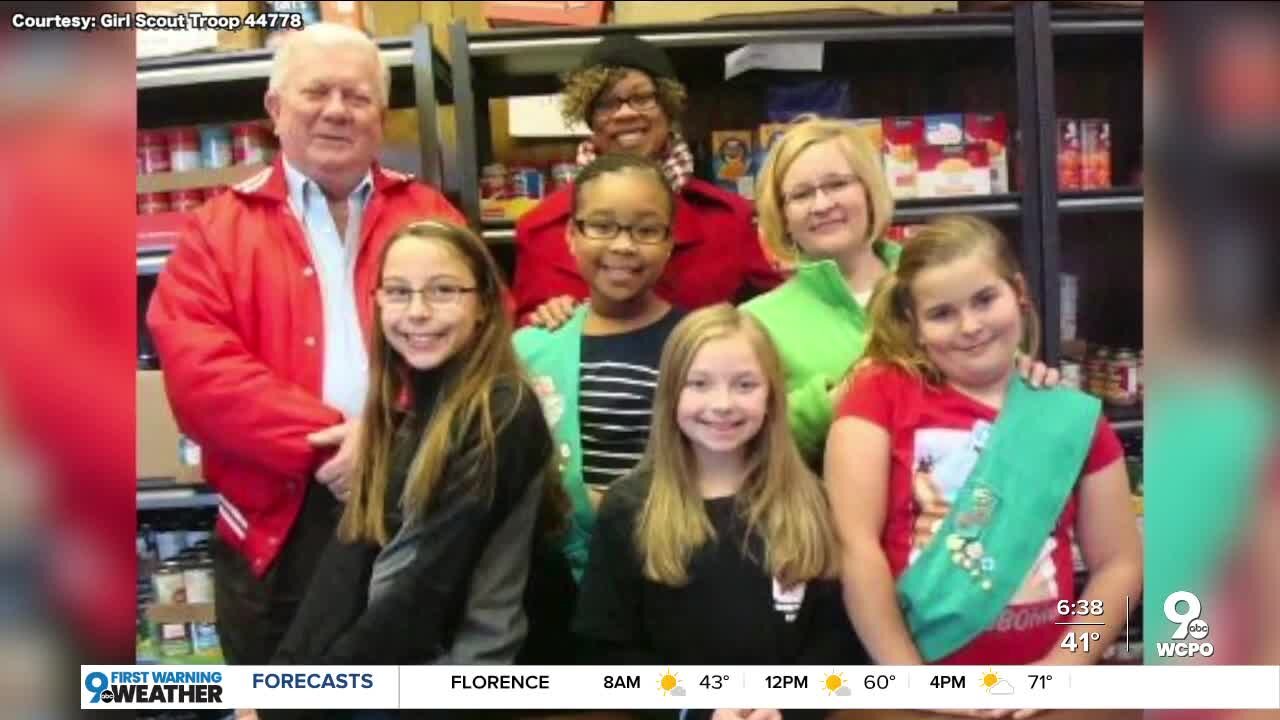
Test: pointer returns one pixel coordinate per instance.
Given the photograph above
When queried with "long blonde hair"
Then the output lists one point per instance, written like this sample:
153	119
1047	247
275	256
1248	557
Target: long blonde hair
863	159
781	500
465	399
945	239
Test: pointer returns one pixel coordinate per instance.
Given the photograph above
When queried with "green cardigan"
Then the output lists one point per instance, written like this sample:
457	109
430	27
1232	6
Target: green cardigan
820	331
553	360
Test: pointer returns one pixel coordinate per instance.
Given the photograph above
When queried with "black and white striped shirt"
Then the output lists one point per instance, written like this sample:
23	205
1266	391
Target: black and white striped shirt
618	376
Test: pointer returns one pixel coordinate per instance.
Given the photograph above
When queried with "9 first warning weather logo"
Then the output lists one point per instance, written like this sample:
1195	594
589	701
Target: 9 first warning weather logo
154	686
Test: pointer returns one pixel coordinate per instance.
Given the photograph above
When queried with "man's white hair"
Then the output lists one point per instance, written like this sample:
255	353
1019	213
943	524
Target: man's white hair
327	35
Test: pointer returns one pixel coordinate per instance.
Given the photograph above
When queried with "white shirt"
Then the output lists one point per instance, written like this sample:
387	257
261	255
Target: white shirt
346	360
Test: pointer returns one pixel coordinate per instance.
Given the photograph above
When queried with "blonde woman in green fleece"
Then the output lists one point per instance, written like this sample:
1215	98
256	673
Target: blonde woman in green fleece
824	208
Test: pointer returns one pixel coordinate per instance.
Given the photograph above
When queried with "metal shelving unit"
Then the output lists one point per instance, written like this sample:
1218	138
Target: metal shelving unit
1115	200
504	63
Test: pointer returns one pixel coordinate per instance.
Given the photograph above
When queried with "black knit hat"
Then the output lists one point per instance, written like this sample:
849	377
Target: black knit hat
629	51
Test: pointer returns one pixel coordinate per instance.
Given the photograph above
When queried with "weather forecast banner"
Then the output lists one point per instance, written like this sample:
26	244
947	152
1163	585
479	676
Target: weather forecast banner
677	687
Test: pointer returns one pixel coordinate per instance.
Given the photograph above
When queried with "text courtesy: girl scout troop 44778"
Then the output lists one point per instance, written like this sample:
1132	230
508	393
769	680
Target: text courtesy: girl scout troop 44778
856	465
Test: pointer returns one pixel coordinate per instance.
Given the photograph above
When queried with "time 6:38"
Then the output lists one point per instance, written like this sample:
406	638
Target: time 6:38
1080	607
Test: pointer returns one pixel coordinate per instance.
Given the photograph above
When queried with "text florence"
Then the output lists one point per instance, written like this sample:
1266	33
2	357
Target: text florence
501	682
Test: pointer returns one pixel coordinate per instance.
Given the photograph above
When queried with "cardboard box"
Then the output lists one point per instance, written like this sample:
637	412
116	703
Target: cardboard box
731	164
1095	154
347	12
902	138
991	130
635	13
581	14
162	450
953	171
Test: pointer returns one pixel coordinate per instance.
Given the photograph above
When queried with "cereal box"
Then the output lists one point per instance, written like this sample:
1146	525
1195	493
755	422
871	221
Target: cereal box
902	137
945	129
1069	151
953	170
1095	154
991	130
731	163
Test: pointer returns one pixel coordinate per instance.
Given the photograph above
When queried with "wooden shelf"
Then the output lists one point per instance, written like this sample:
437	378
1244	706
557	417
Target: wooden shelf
194	179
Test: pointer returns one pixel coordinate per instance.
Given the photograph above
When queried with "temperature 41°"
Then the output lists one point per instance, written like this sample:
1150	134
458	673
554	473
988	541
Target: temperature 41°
1079	641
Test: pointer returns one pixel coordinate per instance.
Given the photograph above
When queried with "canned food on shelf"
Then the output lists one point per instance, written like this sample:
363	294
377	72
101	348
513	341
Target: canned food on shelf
168	583
247	144
184	149
215	146
1071	374
186	200
153	152
153	203
1122	382
494	182
197	578
526	182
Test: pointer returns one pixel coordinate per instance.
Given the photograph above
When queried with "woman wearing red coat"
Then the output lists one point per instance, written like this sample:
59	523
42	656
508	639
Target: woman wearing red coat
626	92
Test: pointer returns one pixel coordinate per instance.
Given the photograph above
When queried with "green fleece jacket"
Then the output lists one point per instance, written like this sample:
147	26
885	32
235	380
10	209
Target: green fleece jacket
820	331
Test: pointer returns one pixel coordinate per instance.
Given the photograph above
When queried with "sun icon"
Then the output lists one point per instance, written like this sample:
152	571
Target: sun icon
990	679
668	682
834	683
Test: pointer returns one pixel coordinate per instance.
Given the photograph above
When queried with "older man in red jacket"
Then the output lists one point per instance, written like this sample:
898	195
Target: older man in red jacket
262	317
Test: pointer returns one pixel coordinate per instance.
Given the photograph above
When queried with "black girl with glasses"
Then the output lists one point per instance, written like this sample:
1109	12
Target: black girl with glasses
597	373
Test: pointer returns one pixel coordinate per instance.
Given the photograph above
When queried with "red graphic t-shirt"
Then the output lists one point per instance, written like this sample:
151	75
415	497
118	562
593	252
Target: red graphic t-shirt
931	431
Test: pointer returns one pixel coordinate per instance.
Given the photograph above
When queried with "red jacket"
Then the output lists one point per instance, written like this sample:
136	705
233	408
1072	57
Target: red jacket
238	324
717	252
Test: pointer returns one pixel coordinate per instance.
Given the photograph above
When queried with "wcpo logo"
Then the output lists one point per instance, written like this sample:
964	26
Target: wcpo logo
1189	624
158	686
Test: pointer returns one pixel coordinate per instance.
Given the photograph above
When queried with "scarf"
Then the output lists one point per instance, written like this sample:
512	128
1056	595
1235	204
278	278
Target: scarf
677	160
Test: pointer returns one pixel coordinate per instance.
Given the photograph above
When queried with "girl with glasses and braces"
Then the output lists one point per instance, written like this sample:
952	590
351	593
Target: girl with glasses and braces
597	373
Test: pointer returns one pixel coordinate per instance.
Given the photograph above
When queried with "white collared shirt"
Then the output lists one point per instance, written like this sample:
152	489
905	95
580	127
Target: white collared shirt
346	360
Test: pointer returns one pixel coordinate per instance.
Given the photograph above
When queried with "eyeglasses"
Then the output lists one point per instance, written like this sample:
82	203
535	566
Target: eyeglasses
640	102
438	295
640	233
804	195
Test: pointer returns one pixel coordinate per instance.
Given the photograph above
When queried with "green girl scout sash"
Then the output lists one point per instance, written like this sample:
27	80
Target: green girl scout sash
1028	463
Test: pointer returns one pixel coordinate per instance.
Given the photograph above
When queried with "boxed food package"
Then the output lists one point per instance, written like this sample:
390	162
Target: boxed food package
953	171
503	14
1069	150
944	129
902	138
991	130
1095	154
731	161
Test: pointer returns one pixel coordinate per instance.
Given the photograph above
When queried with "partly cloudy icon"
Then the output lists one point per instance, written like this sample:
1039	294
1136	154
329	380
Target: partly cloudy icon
844	691
678	691
1004	687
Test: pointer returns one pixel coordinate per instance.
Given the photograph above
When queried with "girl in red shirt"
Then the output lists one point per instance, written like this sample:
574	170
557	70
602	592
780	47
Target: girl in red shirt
906	450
